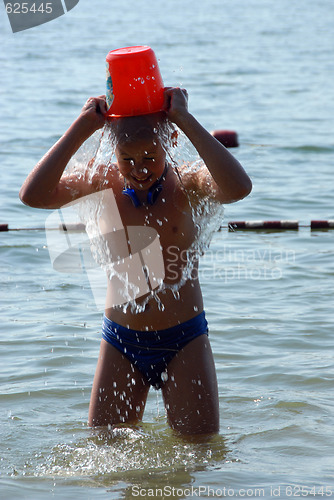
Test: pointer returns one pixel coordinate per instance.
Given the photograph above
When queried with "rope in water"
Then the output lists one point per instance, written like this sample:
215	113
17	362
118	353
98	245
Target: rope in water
231	226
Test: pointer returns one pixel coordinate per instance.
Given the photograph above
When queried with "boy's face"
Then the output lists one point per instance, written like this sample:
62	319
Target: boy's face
140	156
141	162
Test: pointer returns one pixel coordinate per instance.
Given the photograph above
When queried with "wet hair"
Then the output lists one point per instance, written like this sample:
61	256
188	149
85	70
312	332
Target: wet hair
132	128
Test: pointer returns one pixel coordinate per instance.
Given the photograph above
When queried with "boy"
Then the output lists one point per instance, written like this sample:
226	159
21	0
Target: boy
168	346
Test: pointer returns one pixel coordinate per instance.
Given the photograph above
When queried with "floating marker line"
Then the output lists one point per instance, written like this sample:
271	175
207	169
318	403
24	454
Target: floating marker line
322	224
278	225
271	224
62	227
231	226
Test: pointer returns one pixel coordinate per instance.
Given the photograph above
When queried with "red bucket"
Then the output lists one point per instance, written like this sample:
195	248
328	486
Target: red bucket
134	83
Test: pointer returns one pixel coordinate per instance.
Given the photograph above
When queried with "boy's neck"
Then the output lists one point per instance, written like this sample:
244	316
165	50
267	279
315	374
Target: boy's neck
147	196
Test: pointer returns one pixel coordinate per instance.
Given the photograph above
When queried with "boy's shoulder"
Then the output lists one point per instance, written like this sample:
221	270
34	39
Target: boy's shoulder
196	179
103	176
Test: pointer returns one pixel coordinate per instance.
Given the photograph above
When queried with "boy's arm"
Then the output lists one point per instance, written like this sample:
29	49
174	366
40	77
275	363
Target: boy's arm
231	183
44	186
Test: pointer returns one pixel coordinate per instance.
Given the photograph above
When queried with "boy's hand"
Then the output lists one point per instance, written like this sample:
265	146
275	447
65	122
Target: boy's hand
176	104
94	112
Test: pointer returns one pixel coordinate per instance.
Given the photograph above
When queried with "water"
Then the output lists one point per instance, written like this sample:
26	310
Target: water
265	70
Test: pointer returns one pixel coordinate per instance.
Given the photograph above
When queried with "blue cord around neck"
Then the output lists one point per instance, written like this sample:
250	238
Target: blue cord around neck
152	194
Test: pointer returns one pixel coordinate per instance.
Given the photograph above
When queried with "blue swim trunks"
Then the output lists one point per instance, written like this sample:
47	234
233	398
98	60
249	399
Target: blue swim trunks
151	351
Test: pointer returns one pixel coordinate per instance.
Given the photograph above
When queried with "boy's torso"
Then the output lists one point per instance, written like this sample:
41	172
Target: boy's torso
171	217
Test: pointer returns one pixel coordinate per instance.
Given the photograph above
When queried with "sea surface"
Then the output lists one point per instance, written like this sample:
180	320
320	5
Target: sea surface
264	69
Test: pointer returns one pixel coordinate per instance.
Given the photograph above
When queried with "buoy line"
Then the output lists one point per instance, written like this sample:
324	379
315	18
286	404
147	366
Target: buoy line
231	226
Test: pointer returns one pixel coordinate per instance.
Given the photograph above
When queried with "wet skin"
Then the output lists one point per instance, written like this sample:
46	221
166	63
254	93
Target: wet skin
119	390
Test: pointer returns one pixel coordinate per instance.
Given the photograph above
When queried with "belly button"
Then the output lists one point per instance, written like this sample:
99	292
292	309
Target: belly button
174	229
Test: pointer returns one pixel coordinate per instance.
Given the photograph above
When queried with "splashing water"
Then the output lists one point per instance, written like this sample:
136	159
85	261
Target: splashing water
99	150
123	451
207	214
